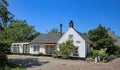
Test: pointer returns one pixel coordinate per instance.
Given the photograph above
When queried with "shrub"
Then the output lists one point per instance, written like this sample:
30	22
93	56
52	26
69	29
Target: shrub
66	48
103	52
3	59
100	54
95	53
117	53
56	54
6	67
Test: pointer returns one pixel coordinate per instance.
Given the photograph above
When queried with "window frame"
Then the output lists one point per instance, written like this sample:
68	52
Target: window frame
36	48
16	49
70	37
76	53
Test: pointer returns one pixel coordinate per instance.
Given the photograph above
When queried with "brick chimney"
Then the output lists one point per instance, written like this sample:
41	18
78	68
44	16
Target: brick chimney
71	24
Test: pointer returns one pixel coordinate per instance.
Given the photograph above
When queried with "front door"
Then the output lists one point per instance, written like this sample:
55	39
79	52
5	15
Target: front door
26	48
50	49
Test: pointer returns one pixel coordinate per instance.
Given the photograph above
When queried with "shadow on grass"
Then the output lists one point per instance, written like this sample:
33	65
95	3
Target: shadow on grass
28	62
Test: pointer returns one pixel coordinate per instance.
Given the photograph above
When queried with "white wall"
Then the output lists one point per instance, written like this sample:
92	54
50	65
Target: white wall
41	49
76	37
20	46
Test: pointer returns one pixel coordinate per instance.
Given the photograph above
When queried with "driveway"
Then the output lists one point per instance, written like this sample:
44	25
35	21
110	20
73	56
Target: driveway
50	63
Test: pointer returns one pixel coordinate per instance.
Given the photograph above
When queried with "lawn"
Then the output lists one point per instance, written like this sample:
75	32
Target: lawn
12	66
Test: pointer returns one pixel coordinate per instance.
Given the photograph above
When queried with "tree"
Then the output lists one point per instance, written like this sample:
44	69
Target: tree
17	31
5	15
53	30
5	18
119	37
22	31
101	39
66	48
34	35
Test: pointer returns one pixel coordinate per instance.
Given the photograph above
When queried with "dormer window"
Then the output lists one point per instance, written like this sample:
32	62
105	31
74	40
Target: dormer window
70	37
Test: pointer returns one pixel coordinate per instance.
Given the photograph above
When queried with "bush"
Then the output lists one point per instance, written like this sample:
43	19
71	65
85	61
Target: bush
103	54
56	54
95	53
66	48
111	57
6	67
3	59
117	53
100	54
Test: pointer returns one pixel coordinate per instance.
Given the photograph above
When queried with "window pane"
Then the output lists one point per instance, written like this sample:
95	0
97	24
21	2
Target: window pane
70	37
15	49
76	52
36	48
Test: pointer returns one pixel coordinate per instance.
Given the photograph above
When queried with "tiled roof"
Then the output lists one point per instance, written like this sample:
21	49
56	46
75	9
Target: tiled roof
21	41
53	38
46	38
84	36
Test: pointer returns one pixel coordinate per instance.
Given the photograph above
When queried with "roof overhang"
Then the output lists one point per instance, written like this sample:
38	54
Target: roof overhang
49	44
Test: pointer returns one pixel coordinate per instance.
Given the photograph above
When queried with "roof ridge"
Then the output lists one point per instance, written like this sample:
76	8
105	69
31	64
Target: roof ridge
83	35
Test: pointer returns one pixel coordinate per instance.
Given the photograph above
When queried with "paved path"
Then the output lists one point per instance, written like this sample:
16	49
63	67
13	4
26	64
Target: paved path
49	63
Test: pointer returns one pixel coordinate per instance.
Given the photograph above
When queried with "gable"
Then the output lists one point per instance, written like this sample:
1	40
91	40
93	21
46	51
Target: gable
69	32
77	36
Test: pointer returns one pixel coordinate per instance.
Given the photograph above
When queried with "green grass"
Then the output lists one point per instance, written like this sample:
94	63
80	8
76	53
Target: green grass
18	68
14	66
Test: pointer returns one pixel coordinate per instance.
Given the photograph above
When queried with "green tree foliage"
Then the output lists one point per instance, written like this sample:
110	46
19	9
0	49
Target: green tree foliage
5	18
66	48
53	30
22	31
101	39
17	31
5	15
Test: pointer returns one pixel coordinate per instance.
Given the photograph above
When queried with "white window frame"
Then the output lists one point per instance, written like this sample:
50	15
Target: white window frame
16	48
70	37
75	53
36	48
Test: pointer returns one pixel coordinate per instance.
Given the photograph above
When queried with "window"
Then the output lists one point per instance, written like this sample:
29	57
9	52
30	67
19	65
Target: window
16	49
18	45
36	48
77	41
25	48
76	52
70	37
50	49
14	45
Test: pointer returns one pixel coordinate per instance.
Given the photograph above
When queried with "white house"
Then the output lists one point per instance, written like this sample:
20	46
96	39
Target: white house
48	43
80	40
44	43
20	47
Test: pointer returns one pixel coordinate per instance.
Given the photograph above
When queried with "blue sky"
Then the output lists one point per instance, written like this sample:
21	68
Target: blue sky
86	14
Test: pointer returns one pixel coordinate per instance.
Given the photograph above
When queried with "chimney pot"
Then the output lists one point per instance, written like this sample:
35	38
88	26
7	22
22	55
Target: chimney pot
71	24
